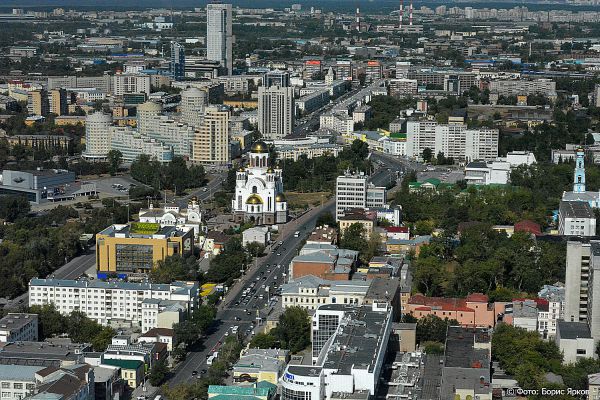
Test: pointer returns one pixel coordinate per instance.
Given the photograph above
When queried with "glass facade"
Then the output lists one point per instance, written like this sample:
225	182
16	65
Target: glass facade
134	257
289	394
327	326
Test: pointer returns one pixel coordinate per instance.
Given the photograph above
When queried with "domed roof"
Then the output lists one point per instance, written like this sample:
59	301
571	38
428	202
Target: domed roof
241	169
259	147
150	106
269	170
254	199
279	197
192	92
99	116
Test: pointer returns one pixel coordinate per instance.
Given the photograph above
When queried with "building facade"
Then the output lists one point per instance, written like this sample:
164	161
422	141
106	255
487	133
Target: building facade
275	111
211	143
219	35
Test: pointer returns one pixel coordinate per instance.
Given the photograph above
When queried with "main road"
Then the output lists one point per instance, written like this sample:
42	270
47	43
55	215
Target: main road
266	273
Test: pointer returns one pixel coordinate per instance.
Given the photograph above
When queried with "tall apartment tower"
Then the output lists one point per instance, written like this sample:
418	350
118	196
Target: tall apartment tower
57	99
193	103
211	143
97	136
219	35
275	111
37	102
276	78
177	65
146	116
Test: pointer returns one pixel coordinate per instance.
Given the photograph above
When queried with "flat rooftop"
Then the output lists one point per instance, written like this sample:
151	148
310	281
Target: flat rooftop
576	209
15	321
460	348
358	340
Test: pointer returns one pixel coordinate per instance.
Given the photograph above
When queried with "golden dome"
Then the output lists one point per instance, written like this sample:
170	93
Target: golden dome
279	198
259	147
241	169
254	199
269	170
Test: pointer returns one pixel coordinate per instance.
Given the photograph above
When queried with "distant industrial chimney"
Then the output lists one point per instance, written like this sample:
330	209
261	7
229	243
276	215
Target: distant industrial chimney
401	12
410	15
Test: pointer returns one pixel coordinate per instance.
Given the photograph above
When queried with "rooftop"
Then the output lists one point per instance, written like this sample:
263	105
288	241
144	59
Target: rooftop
18	372
16	321
124	364
573	330
461	351
144	230
576	209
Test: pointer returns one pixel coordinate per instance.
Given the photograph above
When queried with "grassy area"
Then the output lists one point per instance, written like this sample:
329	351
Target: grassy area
297	200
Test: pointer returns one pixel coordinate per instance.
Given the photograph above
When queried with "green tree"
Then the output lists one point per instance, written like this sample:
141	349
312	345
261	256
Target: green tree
103	338
115	158
353	238
175	268
158	373
263	341
293	330
255	249
427	155
432	328
13	207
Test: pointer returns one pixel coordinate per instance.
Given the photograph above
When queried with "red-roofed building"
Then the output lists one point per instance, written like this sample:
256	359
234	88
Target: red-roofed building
397	232
472	311
528	226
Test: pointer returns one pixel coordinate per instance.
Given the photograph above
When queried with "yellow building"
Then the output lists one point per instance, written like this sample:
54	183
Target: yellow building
137	247
69	120
132	371
258	365
346	221
211	142
241	103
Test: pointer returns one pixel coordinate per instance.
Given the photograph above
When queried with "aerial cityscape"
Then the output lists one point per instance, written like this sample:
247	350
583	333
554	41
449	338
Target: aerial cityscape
299	200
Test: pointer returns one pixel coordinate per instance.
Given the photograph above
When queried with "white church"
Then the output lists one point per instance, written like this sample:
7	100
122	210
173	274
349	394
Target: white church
259	190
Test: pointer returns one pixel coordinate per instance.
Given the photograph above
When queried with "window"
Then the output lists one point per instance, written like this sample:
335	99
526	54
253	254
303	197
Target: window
5	385
581	352
18	385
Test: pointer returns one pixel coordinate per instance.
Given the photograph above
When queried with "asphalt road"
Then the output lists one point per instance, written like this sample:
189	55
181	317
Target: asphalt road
243	311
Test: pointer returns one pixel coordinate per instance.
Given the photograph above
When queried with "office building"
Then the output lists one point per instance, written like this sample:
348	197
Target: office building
131	83
54	353
259	190
275	111
37	102
258	365
310	147
312	68
132	144
172	133
117	303
57	99
491	173
324	261
312	101
349	347
576	218
138	247
211	141
17	327
44	185
97	136
177	64
276	78
373	71
193	103
352	191
219	35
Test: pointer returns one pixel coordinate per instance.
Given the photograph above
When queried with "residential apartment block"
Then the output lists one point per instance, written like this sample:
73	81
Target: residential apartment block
117	303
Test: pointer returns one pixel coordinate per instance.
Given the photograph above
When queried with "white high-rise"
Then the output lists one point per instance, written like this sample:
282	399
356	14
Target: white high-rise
97	136
193	102
219	35
275	111
146	113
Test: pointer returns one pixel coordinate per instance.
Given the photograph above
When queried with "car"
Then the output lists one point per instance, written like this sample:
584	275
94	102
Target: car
237	319
279	254
268	271
237	303
264	278
203	371
248	313
194	373
245	310
258	278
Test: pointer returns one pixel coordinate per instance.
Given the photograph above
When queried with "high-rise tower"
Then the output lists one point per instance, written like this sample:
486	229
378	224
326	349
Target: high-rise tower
219	35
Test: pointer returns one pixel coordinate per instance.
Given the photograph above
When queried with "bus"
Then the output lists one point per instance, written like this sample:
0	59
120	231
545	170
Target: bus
210	360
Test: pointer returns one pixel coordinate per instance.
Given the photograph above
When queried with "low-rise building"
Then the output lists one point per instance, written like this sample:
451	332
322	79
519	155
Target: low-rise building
259	234
132	371
262	390
323	261
258	365
576	218
17	327
18	381
173	215
310	292
491	173
159	335
555	310
50	353
574	341
522	314
472	311
65	383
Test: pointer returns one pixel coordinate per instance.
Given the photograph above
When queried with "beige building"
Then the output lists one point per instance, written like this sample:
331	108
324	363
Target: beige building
57	99
37	102
138	247
211	141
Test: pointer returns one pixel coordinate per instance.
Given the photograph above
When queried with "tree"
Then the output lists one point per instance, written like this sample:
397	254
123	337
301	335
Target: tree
353	238
101	341
293	330
427	155
263	341
175	268
115	158
432	328
51	322
255	249
326	218
14	207
158	373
